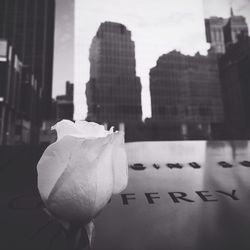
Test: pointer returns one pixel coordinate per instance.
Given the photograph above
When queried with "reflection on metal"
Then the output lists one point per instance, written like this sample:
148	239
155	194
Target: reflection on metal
164	152
203	198
3	49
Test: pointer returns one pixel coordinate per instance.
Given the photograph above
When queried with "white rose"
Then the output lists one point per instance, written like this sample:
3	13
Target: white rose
80	171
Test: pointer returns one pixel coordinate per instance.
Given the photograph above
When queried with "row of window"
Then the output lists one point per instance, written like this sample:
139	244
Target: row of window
116	109
204	111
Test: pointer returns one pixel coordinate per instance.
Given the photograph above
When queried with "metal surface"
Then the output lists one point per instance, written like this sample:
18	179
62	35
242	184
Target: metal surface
197	197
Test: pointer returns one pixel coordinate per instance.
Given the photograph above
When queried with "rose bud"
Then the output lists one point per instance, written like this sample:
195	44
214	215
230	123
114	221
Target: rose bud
80	171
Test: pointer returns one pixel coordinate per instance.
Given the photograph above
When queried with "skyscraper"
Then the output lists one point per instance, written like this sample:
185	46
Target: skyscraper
185	92
28	28
235	82
222	31
113	91
235	26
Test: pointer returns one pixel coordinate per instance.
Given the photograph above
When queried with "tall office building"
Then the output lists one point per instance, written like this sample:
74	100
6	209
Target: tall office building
185	92
235	26
27	26
11	70
222	31
235	82
113	91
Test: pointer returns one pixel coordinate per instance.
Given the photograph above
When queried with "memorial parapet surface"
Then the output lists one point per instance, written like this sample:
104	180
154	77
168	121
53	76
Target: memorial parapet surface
180	195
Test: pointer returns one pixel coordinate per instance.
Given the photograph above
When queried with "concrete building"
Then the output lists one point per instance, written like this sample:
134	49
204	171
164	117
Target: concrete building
222	31
113	91
185	94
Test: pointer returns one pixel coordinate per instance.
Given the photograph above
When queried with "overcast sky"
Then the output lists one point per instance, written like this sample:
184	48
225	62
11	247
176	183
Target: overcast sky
157	27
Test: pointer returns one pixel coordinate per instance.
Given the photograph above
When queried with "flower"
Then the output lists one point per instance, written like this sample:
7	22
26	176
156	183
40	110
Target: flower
80	171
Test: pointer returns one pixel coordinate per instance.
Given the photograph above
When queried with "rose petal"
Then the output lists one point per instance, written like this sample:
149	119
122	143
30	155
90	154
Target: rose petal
86	184
105	177
66	127
120	164
77	176
53	162
82	129
92	129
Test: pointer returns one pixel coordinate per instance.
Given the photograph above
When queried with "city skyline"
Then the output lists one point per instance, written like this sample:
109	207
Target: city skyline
147	42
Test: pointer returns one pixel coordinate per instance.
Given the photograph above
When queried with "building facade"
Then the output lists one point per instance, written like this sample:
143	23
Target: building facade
28	25
28	28
185	93
113	91
215	34
235	82
18	90
222	31
62	108
235	27
64	103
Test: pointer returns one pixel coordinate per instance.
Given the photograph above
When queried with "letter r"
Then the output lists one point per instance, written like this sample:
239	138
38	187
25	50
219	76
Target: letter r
176	196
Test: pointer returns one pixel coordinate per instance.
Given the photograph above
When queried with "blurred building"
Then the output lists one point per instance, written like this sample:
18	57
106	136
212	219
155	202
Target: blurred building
64	103
185	95
62	108
18	89
113	91
235	82
28	28
222	31
214	33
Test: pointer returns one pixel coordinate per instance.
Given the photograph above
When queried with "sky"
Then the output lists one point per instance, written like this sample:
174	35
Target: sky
63	46
157	27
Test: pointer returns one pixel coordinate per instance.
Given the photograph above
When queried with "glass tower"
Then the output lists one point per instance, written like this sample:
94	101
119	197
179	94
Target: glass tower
113	91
